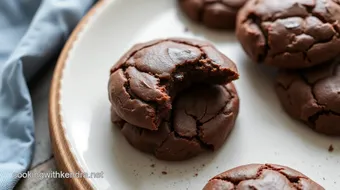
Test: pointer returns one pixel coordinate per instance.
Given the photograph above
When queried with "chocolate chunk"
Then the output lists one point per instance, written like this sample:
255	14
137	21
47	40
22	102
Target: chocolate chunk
261	177
290	33
312	96
147	78
212	13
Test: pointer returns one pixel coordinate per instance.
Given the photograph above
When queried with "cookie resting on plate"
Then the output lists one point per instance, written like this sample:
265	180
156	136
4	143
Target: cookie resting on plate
290	33
312	96
217	14
147	78
202	118
261	177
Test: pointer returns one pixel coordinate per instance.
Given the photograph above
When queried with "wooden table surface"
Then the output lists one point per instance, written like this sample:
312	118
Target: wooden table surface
43	160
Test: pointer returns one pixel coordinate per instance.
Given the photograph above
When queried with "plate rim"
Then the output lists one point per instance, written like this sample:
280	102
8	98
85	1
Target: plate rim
64	158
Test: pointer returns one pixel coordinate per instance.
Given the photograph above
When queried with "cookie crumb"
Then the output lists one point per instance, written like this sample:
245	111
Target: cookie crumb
196	174
164	172
330	148
152	165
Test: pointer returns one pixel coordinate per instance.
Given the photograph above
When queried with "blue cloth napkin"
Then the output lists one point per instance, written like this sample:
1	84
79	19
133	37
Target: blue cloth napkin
32	32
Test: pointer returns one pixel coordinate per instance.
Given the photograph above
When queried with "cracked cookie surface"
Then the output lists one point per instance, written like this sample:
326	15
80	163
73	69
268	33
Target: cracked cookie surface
290	33
261	177
147	78
313	96
201	120
218	14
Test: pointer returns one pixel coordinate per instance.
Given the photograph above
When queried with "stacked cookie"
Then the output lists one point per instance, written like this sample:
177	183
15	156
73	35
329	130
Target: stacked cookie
302	39
174	97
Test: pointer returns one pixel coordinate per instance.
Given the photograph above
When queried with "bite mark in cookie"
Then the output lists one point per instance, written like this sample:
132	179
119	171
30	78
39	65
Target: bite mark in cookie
147	78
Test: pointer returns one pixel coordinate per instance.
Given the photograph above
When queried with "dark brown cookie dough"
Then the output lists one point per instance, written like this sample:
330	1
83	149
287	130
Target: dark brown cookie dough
261	177
313	96
290	33
218	14
147	78
202	118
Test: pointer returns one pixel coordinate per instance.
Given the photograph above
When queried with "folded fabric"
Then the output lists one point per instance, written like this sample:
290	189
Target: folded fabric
32	32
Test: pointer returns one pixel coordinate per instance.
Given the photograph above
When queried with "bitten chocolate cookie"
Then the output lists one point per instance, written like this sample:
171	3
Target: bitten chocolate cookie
313	96
202	118
218	14
261	177
147	78
290	33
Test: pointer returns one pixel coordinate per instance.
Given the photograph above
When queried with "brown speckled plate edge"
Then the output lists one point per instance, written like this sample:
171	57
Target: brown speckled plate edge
64	157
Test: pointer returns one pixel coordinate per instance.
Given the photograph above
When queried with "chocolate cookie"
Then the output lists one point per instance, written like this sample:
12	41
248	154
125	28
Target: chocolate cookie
313	96
218	14
290	33
147	78
261	177
202	118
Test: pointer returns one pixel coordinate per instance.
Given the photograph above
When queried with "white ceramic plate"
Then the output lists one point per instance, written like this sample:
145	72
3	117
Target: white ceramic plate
263	132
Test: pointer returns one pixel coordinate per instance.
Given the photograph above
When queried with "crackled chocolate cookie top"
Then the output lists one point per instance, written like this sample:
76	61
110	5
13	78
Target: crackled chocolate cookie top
290	33
202	118
147	78
313	96
261	177
219	14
